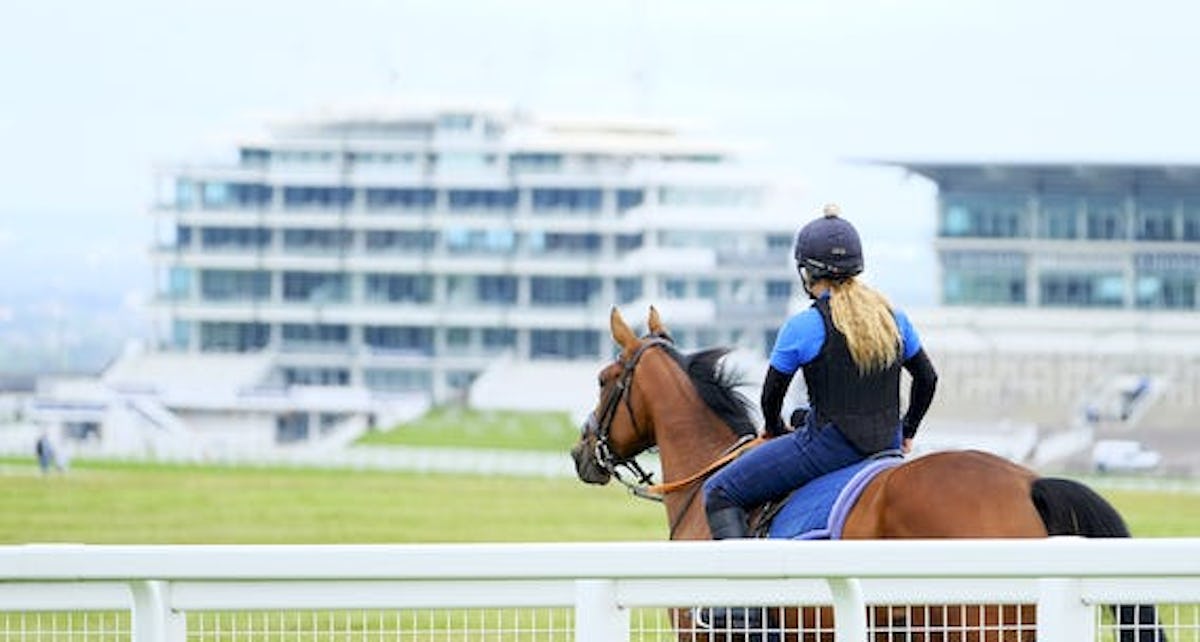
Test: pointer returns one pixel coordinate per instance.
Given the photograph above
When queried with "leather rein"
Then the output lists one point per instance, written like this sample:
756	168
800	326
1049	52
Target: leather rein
602	427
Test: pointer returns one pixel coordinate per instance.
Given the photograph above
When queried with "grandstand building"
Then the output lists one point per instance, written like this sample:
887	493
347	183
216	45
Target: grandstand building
407	249
1068	295
1095	236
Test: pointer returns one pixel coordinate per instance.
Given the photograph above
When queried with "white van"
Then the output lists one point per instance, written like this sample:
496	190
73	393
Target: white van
1123	455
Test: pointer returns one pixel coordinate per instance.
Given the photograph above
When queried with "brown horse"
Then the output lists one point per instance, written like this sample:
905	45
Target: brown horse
688	406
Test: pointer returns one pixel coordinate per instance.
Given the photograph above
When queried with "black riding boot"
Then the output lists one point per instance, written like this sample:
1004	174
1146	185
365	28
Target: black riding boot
727	522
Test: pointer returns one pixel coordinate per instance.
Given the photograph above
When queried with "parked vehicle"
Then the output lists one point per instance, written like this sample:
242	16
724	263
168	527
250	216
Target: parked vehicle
1123	455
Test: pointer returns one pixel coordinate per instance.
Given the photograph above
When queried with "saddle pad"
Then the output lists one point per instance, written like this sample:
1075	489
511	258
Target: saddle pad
818	509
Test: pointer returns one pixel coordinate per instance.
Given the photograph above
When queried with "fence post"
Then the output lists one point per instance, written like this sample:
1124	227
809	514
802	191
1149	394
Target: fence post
598	617
1061	612
153	619
849	610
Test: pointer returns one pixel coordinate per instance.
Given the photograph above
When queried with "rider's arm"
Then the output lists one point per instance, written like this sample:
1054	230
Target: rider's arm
924	383
775	387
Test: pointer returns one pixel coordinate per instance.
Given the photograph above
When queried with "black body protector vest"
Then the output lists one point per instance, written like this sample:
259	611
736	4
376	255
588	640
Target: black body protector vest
865	407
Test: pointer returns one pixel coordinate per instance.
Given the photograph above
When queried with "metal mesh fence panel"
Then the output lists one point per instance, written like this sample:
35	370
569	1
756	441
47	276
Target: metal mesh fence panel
65	626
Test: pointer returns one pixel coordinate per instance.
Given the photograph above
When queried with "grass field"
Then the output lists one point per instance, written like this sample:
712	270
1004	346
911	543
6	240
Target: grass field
110	503
452	426
148	504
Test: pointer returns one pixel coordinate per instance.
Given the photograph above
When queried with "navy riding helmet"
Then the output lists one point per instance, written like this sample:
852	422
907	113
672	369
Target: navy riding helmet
828	248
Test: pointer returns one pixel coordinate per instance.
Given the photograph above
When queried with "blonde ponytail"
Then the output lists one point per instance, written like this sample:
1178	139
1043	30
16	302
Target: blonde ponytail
865	317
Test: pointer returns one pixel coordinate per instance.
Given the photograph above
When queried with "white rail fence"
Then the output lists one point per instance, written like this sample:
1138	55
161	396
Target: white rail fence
1055	589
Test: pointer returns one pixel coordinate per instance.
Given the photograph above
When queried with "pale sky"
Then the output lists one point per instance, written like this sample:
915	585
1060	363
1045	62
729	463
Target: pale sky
95	93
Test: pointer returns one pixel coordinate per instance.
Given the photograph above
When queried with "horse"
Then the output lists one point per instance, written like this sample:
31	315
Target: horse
690	409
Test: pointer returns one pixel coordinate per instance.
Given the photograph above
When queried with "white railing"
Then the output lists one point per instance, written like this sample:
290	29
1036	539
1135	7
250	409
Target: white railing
599	585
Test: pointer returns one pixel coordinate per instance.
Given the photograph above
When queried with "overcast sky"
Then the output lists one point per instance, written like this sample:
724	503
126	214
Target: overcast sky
95	93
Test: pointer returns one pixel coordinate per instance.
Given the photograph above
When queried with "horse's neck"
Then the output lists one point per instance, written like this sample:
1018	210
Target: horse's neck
690	436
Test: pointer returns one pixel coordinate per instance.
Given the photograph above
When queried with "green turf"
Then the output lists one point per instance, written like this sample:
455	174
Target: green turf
453	426
158	504
107	503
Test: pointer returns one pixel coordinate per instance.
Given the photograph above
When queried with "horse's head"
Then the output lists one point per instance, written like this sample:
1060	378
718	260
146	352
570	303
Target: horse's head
617	429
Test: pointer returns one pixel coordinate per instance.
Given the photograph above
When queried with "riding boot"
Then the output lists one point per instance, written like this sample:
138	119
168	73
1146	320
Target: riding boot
728	522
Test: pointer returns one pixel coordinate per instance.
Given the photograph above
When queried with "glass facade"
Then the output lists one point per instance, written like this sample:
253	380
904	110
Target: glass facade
1068	236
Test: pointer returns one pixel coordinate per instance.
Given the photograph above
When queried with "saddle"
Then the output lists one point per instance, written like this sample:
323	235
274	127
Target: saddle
818	509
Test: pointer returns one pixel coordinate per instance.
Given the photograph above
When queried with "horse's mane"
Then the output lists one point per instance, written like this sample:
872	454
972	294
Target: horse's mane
718	386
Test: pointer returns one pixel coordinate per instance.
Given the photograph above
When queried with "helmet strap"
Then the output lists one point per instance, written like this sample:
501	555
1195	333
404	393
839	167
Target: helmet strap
806	281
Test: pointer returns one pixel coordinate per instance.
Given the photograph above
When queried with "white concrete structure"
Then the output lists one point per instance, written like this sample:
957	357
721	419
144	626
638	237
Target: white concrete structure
397	247
588	592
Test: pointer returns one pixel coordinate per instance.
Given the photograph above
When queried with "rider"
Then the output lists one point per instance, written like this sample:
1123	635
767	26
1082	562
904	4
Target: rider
851	345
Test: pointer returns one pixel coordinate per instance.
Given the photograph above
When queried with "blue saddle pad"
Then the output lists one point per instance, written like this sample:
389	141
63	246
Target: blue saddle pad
818	509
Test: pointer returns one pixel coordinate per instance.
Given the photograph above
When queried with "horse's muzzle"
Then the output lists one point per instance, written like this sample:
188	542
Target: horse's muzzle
586	466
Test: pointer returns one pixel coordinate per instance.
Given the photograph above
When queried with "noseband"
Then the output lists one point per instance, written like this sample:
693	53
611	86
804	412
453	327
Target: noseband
602	426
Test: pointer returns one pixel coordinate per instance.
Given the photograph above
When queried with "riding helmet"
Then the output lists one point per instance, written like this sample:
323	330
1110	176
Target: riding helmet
828	247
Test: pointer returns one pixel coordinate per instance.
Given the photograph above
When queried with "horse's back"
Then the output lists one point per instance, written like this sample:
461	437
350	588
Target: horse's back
948	494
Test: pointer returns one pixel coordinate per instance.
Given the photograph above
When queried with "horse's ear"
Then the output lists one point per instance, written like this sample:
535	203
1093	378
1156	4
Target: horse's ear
655	324
621	332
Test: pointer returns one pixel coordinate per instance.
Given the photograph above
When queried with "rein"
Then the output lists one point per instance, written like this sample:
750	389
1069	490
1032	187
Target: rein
744	443
642	487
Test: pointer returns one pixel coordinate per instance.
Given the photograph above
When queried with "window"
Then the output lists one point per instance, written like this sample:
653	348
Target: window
482	199
494	288
572	200
397	379
1105	219
707	289
234	238
183	236
674	288
315	287
235	285
233	337
316	377
455	122
630	198
779	243
415	340
1155	220
392	198
549	290
401	241
564	243
399	288
179	282
1059	218
778	290
628	289
185	194
458	339
535	162
310	336
628	242
983	215
317	241
317	197
984	278
1071	289
563	344
1191	220
470	241
499	339
1167	281
255	157
181	334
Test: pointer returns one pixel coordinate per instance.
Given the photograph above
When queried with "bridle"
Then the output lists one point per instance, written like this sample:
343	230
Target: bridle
601	426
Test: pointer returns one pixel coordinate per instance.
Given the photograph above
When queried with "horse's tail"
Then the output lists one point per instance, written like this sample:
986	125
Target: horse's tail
1070	508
